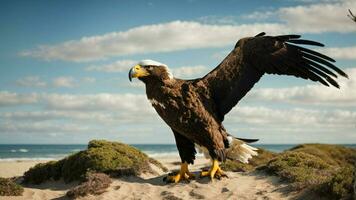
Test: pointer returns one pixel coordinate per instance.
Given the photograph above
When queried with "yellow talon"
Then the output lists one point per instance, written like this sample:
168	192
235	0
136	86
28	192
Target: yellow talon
183	174
214	171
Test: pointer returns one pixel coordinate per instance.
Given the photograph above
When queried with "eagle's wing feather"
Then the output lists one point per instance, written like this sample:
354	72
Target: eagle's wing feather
253	57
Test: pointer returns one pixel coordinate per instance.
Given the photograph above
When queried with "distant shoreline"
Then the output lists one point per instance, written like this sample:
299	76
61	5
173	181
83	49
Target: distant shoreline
46	152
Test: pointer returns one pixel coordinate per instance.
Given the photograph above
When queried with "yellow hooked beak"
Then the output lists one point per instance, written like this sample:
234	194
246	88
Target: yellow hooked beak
137	72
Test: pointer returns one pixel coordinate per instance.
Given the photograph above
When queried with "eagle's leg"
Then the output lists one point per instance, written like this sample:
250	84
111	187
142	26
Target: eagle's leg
214	171
183	174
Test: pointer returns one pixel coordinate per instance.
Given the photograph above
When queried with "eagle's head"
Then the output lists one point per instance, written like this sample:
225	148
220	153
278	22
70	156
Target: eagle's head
147	70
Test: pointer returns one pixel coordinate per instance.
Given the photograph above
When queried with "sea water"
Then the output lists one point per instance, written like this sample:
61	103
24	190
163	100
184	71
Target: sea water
10	152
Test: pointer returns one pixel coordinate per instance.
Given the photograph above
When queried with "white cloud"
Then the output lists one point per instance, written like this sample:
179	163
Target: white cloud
103	117
220	55
190	71
89	80
118	66
218	20
31	81
318	17
105	113
165	37
99	102
71	114
41	127
64	81
258	15
128	102
133	84
125	65
293	118
67	113
340	52
9	98
315	94
180	35
296	125
35	81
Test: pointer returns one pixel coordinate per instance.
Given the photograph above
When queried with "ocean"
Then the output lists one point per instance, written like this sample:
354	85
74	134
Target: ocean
10	152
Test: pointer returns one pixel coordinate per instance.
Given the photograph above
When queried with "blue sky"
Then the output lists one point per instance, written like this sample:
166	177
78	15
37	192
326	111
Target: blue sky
64	65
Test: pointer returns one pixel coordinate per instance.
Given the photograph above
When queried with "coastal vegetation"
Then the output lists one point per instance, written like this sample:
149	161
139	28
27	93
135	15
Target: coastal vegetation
94	184
327	171
114	158
8	187
318	168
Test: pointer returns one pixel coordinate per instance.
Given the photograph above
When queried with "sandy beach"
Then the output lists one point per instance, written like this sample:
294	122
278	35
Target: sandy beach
148	186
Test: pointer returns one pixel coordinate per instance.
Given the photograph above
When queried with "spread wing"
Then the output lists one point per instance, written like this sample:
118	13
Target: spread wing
253	57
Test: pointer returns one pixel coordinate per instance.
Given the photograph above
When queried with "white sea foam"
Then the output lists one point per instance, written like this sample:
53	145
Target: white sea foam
19	150
23	150
76	150
166	154
26	159
156	154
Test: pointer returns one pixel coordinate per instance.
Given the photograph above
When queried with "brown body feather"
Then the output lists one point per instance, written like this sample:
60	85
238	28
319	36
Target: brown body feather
187	107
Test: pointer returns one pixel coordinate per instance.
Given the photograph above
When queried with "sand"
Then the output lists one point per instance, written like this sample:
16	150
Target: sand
237	186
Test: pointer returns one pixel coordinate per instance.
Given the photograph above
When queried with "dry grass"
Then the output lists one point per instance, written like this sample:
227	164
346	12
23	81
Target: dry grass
9	188
94	184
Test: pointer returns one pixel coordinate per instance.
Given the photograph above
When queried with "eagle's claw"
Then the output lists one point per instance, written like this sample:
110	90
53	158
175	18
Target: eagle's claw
218	174
214	172
175	178
183	174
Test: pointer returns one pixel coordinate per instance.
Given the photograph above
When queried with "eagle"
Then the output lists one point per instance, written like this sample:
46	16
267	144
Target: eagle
195	109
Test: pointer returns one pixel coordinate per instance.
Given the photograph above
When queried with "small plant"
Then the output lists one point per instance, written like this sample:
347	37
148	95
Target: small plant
9	188
94	183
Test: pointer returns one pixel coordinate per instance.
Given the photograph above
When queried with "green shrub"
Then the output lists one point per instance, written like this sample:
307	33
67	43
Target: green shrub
335	155
101	156
301	169
10	188
321	168
44	171
340	185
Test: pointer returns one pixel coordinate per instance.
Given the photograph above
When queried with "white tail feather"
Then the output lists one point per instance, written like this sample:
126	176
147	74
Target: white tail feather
203	150
239	150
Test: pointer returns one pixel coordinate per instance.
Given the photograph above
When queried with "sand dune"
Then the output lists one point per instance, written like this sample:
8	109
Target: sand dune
148	186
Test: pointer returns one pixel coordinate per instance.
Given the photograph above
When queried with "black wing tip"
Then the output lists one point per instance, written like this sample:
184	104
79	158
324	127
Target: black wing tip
333	82
260	34
291	36
344	74
306	42
248	140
